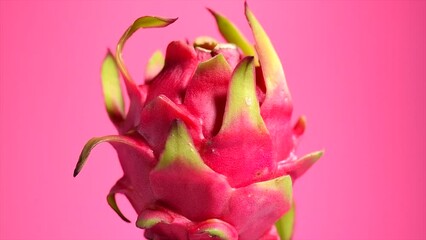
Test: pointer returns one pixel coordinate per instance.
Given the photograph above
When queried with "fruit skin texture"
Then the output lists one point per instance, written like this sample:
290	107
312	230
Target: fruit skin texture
207	144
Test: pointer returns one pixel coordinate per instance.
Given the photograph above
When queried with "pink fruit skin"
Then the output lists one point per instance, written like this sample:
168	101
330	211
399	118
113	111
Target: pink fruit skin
200	163
311	36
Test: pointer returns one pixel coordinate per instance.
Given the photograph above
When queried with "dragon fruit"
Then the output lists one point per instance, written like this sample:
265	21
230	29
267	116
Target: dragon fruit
207	144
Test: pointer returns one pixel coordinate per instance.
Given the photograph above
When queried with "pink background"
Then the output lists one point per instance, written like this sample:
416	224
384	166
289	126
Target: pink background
356	69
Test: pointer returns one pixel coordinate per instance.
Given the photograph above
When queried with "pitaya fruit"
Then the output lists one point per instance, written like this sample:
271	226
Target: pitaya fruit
207	145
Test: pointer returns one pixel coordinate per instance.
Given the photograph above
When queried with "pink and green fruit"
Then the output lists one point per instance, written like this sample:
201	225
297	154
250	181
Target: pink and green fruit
207	144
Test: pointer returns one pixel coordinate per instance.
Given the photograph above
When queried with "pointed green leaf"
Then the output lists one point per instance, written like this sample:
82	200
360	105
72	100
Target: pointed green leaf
214	232
285	224
179	146
233	35
297	168
215	228
242	104
119	187
269	60
154	66
283	184
216	62
305	162
313	157
309	159
112	90
95	141
149	218
113	204
146	223
143	22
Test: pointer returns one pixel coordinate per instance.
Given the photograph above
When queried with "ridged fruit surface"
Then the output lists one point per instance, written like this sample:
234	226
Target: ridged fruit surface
207	145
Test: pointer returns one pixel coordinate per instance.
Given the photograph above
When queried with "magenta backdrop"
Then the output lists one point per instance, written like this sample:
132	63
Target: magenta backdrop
356	69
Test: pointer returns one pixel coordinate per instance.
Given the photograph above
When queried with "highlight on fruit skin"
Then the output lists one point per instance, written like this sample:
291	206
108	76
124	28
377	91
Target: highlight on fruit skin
207	145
